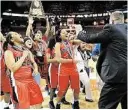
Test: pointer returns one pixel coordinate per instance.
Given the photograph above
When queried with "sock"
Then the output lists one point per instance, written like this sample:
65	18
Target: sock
59	103
6	105
75	100
52	93
63	98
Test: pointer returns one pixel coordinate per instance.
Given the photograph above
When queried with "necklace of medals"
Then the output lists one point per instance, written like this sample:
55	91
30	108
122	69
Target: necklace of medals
68	48
82	55
21	49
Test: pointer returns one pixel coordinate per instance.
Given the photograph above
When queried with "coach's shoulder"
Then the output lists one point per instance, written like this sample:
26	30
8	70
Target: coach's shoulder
108	26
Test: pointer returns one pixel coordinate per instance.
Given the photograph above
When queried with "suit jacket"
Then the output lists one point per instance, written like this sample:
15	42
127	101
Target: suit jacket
112	62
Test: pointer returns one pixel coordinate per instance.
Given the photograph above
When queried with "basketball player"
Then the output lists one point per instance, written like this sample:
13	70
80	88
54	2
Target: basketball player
53	71
5	84
25	92
39	48
67	71
28	45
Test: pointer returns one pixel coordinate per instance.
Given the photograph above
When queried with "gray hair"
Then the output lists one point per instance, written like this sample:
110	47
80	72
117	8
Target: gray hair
117	16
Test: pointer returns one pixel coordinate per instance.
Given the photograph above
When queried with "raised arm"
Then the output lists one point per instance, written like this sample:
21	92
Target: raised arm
101	37
10	61
47	28
29	28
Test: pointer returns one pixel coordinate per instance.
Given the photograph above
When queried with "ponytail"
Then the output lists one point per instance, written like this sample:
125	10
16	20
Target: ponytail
8	41
5	45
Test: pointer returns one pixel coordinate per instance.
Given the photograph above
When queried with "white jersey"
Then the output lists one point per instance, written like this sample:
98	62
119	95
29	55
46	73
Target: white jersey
83	58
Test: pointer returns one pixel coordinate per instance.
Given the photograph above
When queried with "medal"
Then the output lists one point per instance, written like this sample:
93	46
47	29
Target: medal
68	48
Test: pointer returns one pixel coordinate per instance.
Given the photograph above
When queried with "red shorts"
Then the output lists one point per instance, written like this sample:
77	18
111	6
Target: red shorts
65	80
26	93
5	83
53	73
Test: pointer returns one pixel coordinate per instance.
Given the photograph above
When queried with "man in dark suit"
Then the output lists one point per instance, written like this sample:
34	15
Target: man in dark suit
112	62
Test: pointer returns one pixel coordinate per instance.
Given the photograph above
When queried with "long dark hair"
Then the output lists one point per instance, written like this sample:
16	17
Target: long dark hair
8	41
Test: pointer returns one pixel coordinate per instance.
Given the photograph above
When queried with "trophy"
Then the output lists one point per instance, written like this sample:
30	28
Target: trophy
36	10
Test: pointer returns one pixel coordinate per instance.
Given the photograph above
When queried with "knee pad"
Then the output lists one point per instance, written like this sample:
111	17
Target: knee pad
61	93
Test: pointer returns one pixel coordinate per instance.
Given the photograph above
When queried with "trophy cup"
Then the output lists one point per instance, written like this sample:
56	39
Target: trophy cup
36	10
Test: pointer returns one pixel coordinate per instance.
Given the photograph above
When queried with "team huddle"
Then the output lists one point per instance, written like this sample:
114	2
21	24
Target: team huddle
58	60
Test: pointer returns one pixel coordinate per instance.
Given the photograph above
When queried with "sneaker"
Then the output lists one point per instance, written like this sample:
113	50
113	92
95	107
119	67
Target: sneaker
55	95
75	105
89	100
46	88
65	102
83	91
6	107
51	105
57	106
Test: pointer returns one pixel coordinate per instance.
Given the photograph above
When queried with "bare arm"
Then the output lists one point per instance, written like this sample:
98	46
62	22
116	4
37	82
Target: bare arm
10	61
48	28
76	41
49	60
34	63
58	55
29	29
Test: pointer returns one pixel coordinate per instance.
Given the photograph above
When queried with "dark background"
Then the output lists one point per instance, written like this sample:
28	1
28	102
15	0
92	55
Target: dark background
60	8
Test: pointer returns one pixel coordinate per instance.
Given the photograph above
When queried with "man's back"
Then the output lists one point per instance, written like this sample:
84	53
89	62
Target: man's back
112	64
113	58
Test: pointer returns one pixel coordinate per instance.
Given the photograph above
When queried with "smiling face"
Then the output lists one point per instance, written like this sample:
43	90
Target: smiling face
38	37
82	46
28	43
64	34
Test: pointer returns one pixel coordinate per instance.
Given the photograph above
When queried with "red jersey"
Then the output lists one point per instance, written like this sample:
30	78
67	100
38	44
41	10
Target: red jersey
52	55
40	48
5	84
2	67
25	71
67	52
44	38
25	91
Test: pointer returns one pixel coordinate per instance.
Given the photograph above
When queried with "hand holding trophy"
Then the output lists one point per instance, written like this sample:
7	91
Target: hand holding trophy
30	20
36	9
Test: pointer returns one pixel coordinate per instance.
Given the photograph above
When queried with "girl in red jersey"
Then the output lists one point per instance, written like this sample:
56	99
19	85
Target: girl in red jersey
25	92
5	84
53	71
28	46
39	48
68	71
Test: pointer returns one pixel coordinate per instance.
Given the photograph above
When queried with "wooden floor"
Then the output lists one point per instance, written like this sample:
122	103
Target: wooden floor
83	103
